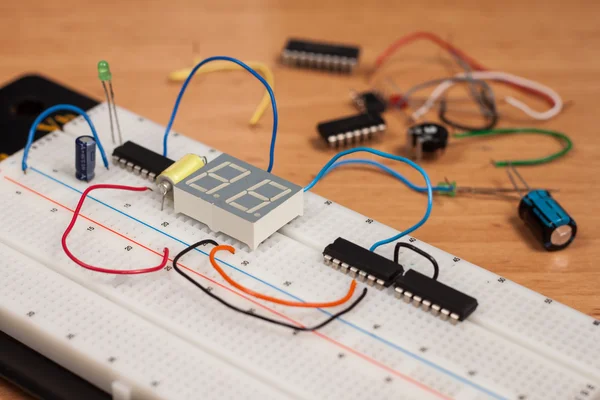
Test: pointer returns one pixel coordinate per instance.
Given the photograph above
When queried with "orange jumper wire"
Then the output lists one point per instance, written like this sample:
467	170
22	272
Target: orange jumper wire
233	283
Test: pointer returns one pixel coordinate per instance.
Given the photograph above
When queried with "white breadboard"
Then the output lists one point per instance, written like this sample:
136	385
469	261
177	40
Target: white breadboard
157	336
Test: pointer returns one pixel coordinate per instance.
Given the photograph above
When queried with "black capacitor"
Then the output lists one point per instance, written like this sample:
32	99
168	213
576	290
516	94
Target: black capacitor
85	158
426	138
547	220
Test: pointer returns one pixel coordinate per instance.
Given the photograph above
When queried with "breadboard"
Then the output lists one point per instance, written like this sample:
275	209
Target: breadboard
157	336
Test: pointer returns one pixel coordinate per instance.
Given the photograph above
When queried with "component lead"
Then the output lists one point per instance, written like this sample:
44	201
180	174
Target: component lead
444	314
344	268
332	140
454	318
362	276
407	297
353	272
435	309
398	292
371	280
416	301
426	305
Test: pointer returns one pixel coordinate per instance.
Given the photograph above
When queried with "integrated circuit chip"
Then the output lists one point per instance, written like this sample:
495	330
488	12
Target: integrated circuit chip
319	55
434	296
412	286
361	263
351	130
140	160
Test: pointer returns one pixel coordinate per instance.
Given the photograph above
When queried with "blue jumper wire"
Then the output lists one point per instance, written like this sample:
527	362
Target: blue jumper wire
329	165
392	172
327	168
429	188
247	68
51	110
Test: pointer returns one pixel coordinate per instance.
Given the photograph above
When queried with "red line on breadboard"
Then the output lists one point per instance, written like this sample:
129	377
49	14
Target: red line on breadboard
319	334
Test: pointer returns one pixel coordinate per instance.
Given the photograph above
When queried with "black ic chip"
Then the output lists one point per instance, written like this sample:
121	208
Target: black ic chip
351	130
319	55
140	160
361	263
430	294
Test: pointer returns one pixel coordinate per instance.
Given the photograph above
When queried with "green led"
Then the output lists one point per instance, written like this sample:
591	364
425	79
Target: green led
104	71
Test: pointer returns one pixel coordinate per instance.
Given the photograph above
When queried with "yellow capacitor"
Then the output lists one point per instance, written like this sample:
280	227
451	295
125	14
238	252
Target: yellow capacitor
177	172
182	168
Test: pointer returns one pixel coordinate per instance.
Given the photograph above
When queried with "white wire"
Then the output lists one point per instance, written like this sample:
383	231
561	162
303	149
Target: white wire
505	77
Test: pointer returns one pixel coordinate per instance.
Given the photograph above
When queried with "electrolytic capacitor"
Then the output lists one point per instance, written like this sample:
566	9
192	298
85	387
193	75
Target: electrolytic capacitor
546	219
85	158
426	138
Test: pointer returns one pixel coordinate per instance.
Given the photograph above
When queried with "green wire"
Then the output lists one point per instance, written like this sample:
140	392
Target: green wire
567	144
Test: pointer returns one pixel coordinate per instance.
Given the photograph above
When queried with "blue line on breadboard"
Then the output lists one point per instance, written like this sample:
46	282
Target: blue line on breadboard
350	324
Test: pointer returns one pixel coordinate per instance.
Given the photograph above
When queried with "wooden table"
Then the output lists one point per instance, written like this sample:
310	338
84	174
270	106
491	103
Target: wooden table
555	44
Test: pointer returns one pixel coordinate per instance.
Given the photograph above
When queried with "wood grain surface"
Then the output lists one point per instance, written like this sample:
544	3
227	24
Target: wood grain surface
557	43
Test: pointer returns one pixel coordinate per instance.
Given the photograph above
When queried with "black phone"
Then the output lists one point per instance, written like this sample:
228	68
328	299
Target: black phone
23	99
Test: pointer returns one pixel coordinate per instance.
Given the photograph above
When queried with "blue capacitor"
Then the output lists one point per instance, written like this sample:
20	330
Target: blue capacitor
85	158
548	221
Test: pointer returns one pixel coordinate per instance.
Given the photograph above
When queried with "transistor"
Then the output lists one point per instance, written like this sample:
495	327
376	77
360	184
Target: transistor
85	158
426	138
361	263
319	55
350	130
369	102
434	296
546	219
140	160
